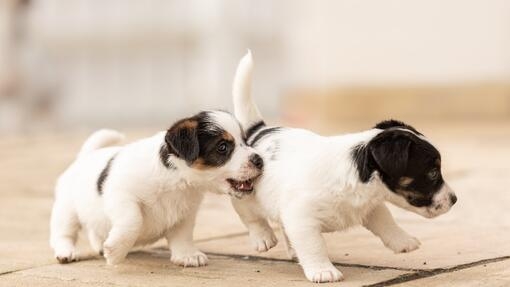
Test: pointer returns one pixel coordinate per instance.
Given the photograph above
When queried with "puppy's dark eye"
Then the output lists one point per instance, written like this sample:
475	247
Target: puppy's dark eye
433	174
222	147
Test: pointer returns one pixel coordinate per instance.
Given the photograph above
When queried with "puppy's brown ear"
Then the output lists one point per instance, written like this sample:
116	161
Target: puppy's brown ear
182	139
390	151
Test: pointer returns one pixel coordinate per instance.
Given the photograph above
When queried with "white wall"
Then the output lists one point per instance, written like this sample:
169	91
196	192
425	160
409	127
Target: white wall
141	62
148	62
335	42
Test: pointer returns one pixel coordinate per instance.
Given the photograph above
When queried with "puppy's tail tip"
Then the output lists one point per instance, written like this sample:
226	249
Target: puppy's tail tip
245	109
101	138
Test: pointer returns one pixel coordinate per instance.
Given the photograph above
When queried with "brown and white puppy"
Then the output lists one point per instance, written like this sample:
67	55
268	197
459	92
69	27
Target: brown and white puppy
132	195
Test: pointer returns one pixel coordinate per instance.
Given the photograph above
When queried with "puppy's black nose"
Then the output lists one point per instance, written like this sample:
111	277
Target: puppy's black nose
257	161
453	198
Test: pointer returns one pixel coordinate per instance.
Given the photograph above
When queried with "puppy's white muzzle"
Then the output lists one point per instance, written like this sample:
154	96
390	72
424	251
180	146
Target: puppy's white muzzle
442	201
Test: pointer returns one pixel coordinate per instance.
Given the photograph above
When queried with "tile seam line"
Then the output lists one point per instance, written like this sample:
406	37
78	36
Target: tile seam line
256	258
424	273
226	236
77	280
22	269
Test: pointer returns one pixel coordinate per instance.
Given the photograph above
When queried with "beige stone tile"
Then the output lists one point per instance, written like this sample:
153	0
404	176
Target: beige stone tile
154	269
217	217
493	274
443	245
23	232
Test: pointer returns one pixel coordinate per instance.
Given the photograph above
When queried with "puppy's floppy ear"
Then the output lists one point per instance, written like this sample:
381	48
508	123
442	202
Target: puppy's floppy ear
390	151
182	139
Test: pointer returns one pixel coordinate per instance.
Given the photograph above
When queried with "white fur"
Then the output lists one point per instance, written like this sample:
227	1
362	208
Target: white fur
142	200
311	186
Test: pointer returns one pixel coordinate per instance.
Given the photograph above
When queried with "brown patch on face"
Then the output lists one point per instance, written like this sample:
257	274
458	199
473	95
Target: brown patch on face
438	162
200	164
188	124
227	136
405	181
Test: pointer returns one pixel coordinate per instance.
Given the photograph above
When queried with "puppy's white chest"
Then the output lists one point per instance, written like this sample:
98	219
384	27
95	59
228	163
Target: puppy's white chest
351	209
169	208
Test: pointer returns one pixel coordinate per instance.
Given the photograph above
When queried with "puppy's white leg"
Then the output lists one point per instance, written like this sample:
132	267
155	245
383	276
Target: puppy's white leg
127	220
180	241
96	242
381	223
261	233
64	227
305	236
291	253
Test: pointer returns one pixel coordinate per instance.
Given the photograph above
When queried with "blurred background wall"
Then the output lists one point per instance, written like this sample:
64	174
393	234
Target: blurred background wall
67	64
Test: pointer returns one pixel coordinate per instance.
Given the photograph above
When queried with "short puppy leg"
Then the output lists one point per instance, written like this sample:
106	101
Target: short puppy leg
291	253
96	242
180	241
261	233
305	236
64	227
381	223
126	218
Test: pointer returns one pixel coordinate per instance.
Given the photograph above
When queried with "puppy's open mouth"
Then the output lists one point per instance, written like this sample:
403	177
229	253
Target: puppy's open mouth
242	185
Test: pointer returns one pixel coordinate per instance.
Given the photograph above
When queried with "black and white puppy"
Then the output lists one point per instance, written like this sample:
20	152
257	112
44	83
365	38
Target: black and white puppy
313	184
132	195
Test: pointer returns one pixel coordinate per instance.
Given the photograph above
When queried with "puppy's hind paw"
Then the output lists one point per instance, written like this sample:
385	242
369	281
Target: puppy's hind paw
404	244
65	256
323	275
64	259
114	254
196	259
264	242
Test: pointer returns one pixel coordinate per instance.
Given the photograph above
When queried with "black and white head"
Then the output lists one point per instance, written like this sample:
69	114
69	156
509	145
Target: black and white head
409	166
212	146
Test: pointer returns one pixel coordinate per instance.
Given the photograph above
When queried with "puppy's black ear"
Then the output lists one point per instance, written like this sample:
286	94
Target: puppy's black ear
390	151
182	139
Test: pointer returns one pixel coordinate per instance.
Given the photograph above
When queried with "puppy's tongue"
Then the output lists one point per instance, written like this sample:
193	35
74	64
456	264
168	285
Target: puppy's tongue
245	185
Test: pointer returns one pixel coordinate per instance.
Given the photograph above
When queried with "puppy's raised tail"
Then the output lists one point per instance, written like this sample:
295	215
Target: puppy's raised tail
245	109
99	139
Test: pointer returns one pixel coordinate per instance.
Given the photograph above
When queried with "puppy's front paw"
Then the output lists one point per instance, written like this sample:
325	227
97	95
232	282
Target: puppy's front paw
263	241
189	259
322	274
114	253
65	255
403	244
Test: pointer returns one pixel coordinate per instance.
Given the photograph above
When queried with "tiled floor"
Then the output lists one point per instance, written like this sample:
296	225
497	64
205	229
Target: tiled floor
469	246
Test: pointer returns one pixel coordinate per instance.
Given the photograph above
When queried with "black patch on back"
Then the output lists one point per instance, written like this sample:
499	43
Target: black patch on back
395	124
272	150
262	134
103	175
254	128
395	154
164	156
